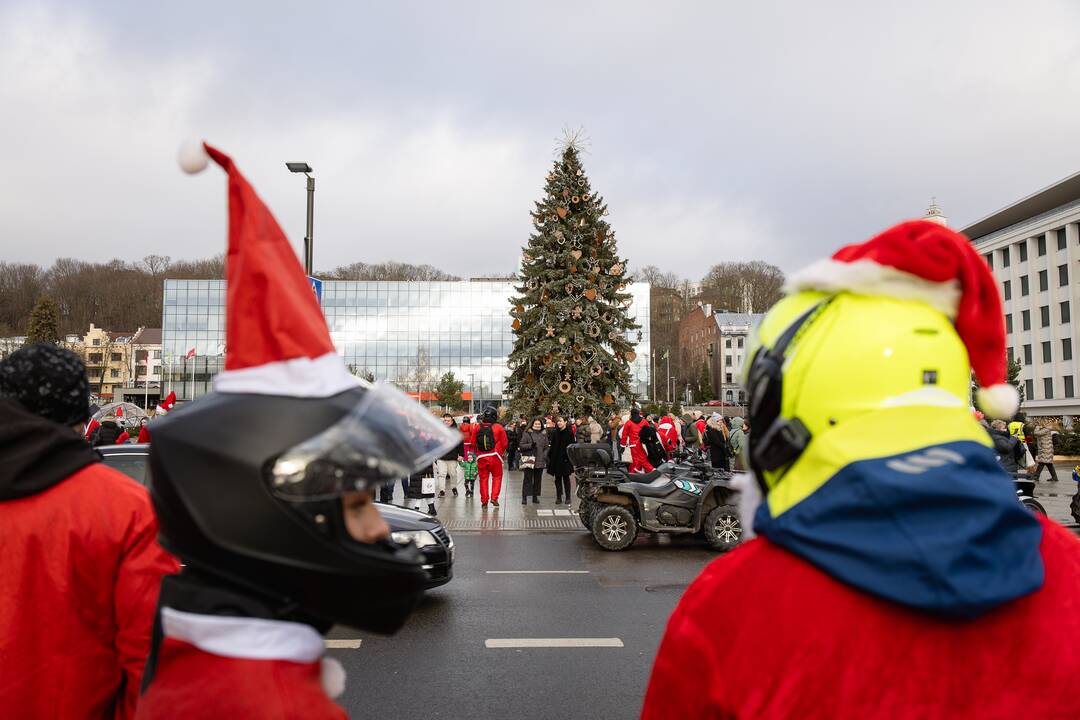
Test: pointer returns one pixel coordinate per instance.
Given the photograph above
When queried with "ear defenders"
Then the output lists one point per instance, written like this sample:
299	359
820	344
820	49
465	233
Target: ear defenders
775	441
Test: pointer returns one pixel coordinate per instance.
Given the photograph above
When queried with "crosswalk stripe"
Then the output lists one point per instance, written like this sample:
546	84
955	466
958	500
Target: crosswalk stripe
501	643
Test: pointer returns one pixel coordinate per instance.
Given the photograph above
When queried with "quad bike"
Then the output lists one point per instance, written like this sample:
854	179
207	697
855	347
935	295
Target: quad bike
1025	493
674	499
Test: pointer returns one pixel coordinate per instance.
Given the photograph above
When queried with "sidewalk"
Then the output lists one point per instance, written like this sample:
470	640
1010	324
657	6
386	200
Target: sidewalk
465	514
1056	496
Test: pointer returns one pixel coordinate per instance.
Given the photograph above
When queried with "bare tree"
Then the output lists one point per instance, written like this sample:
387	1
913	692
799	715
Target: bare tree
387	271
742	286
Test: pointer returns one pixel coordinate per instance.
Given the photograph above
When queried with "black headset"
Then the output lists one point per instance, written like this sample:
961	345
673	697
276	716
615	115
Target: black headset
775	441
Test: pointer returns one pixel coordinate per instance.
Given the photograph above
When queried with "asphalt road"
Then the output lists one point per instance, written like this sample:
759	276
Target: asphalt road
439	666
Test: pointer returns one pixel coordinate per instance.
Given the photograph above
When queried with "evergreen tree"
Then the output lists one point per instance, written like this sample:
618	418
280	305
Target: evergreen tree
448	391
1012	376
44	322
705	392
573	338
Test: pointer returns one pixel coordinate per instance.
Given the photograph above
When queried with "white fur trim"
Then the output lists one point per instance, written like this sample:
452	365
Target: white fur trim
192	157
318	377
243	637
998	401
332	677
866	277
750	499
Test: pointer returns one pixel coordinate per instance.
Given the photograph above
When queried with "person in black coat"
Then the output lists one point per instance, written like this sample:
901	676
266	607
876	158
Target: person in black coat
650	440
1009	450
513	437
558	463
717	442
421	490
533	446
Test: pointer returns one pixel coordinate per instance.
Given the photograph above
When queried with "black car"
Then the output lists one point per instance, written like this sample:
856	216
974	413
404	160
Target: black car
405	525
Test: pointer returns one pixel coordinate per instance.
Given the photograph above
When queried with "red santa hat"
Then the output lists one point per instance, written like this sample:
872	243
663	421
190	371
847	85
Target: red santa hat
167	404
276	334
924	261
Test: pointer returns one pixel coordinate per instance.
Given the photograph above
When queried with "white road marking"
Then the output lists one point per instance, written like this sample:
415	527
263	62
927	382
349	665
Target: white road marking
537	572
494	643
343	644
561	511
543	512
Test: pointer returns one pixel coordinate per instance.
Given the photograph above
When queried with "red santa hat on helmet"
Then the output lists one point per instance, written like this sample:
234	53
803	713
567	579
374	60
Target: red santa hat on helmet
924	261
276	335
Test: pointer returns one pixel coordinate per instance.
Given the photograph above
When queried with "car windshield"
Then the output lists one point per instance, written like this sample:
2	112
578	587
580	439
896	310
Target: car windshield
131	464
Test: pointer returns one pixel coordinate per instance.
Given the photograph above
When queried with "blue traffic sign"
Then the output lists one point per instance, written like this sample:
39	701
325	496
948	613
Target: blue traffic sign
316	287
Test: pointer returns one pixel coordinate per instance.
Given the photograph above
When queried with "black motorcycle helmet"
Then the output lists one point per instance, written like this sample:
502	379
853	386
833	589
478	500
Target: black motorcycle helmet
247	490
490	414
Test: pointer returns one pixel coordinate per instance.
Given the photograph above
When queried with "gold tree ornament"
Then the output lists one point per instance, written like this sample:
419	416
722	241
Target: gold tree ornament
616	268
516	324
631	356
608	399
575	200
576	254
561	211
590	294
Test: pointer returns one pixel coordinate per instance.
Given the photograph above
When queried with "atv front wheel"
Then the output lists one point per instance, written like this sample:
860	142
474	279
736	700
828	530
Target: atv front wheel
1035	506
614	527
723	527
585	510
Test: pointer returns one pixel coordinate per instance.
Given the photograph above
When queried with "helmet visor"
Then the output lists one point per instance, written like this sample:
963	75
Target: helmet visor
388	435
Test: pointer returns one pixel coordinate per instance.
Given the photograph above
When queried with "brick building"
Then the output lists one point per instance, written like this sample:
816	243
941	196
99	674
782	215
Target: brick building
720	341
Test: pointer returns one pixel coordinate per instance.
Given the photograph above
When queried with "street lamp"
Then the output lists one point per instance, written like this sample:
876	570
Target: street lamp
309	250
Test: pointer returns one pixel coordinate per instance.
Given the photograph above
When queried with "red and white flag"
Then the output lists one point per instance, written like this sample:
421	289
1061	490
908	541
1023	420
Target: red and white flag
190	354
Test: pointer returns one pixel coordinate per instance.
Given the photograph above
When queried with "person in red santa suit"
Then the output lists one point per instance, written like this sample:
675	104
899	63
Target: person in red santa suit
894	575
669	433
631	437
81	562
277	527
489	441
163	409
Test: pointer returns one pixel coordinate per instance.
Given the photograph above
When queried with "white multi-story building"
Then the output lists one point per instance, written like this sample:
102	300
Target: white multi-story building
1033	249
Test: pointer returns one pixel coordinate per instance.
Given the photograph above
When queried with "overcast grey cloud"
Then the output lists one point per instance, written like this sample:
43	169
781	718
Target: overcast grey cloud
719	130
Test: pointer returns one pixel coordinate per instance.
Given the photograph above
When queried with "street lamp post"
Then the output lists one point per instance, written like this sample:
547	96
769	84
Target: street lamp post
309	244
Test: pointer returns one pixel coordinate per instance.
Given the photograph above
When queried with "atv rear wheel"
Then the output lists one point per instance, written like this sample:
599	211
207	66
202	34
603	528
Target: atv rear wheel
723	527
613	527
585	510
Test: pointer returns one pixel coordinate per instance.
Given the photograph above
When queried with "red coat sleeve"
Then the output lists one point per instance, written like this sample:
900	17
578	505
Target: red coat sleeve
624	434
123	438
501	441
142	565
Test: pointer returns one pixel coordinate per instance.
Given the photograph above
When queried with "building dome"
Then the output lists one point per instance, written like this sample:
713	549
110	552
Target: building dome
934	214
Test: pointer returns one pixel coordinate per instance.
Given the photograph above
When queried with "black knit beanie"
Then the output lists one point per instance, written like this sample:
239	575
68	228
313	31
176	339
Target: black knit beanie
49	381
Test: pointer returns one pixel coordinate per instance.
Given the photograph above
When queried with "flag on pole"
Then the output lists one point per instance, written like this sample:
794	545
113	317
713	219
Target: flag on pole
190	354
664	356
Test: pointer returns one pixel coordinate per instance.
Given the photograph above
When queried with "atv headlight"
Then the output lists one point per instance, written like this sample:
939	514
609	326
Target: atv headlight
420	538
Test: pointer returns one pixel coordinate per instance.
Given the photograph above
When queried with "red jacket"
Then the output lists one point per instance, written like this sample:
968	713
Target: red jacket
238	668
79	577
144	434
764	634
669	434
122	438
501	441
631	433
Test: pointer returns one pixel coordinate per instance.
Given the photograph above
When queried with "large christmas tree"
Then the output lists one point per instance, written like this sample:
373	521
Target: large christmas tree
574	341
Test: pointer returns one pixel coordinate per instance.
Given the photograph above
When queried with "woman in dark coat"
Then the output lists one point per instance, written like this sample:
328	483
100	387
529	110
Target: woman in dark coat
533	442
422	486
559	464
717	442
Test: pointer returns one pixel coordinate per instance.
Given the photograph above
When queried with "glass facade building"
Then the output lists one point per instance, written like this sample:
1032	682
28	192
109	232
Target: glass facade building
409	333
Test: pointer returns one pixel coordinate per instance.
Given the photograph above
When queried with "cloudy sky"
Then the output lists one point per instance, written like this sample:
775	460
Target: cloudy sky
719	130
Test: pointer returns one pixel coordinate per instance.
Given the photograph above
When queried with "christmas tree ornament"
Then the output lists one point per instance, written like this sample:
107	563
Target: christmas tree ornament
576	254
516	324
612	335
593	330
580	172
608	399
564	387
585	197
606	317
631	356
575	200
576	312
582	223
577	357
561	211
565	193
590	294
550	331
573	268
616	269
595	371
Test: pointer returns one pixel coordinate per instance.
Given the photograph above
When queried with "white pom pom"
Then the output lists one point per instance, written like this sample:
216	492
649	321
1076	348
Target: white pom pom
998	401
193	157
332	677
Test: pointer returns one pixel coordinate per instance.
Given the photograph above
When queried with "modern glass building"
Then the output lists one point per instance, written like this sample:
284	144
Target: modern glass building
410	333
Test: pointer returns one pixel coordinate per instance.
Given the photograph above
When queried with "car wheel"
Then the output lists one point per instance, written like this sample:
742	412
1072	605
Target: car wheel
614	527
723	527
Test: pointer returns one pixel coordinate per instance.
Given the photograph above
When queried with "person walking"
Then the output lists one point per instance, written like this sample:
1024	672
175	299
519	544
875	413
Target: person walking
421	487
691	438
469	472
81	561
558	463
513	436
489	439
109	432
890	547
1044	458
631	437
448	468
716	440
533	446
